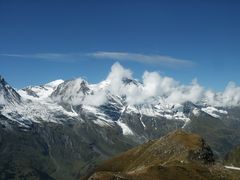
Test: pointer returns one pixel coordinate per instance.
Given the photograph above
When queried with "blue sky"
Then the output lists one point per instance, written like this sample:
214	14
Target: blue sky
47	40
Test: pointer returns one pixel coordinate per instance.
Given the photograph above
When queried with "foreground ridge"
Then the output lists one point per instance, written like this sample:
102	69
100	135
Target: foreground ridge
178	155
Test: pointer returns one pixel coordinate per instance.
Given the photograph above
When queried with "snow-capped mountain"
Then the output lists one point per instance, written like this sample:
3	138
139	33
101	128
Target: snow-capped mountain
88	122
60	100
39	92
7	94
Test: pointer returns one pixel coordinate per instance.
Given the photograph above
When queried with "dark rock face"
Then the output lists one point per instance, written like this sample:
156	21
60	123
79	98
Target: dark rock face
128	81
84	88
204	154
8	93
112	109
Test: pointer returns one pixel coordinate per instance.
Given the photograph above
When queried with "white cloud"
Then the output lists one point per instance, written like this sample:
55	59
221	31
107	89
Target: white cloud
229	97
193	92
115	78
120	56
142	58
57	57
153	85
96	99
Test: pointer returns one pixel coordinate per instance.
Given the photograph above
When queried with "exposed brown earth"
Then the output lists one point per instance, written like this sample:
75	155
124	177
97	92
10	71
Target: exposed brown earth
178	155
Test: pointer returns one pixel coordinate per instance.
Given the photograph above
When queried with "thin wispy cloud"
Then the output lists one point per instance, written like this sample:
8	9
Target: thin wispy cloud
142	58
119	56
58	57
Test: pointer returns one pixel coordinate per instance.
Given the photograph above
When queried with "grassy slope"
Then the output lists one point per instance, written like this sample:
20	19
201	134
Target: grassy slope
178	155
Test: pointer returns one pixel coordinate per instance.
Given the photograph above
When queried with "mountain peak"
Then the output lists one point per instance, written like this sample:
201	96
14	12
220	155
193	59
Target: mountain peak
40	92
7	93
71	91
84	87
2	80
55	83
128	81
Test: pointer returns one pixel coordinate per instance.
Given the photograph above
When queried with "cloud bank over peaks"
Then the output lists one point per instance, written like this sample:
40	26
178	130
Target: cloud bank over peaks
115	78
154	85
152	88
229	97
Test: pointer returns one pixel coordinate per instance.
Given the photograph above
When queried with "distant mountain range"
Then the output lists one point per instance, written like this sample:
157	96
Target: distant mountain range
62	129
